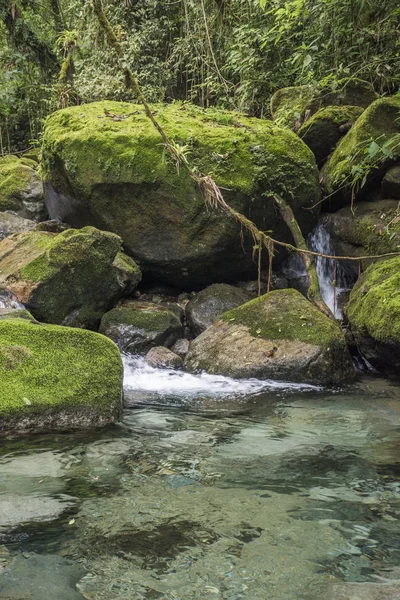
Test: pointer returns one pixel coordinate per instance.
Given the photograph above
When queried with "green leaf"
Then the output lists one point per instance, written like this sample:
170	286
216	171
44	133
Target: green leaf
373	149
307	60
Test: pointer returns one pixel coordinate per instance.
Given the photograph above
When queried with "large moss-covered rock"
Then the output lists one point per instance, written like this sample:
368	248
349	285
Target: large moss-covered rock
69	279
293	106
323	130
56	378
278	336
113	172
209	304
374	314
136	327
371	228
365	153
21	189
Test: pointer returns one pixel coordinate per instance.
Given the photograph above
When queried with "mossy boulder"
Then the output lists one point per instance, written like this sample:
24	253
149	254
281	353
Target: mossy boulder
113	172
391	183
279	336
293	106
10	223
71	278
370	228
56	378
374	315
21	188
136	327
326	127
370	147
209	304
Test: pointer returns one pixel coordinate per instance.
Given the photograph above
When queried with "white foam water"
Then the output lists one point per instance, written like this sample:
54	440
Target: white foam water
141	377
8	300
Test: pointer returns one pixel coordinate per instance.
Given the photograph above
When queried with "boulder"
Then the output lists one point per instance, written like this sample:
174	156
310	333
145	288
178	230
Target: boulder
163	358
374	315
138	326
56	378
279	336
326	127
370	228
364	154
68	279
181	347
293	106
113	172
10	223
21	189
209	304
391	183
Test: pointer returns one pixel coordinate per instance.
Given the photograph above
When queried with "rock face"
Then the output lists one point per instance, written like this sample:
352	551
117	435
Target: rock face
138	326
70	278
366	152
293	106
10	224
374	314
21	189
209	304
163	358
323	130
278	336
56	378
115	174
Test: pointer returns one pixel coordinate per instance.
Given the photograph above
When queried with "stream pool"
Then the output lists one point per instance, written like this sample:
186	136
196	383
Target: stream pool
210	488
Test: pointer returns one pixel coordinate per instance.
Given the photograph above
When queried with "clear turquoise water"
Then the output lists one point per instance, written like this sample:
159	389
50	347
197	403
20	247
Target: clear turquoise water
278	495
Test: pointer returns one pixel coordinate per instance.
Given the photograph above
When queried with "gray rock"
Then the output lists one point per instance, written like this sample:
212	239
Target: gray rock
138	326
181	347
163	358
209	304
10	223
391	183
41	577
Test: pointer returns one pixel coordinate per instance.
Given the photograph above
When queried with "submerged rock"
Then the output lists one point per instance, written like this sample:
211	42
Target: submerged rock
364	154
279	336
115	174
138	326
374	315
323	130
70	278
21	189
209	304
10	223
56	378
163	358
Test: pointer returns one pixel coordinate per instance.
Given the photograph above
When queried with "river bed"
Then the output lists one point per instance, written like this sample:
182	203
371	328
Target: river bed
210	488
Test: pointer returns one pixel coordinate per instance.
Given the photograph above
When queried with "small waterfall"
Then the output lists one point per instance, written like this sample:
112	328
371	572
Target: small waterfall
9	301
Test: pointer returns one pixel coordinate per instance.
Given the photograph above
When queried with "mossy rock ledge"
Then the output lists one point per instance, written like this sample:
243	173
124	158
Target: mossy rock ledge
278	336
374	315
68	279
56	378
21	188
379	124
115	174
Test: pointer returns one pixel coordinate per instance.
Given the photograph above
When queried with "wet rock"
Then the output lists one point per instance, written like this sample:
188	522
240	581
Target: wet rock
391	183
56	378
161	357
18	510
181	347
53	226
70	278
10	223
280	336
21	189
323	130
159	213
380	121
209	304
138	326
374	315
40	577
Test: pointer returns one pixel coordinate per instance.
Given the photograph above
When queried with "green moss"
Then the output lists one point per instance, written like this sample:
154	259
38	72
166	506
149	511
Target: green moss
15	175
374	307
150	319
379	123
286	315
46	367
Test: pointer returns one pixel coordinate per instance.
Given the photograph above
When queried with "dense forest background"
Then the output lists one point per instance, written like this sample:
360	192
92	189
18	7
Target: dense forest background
229	53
